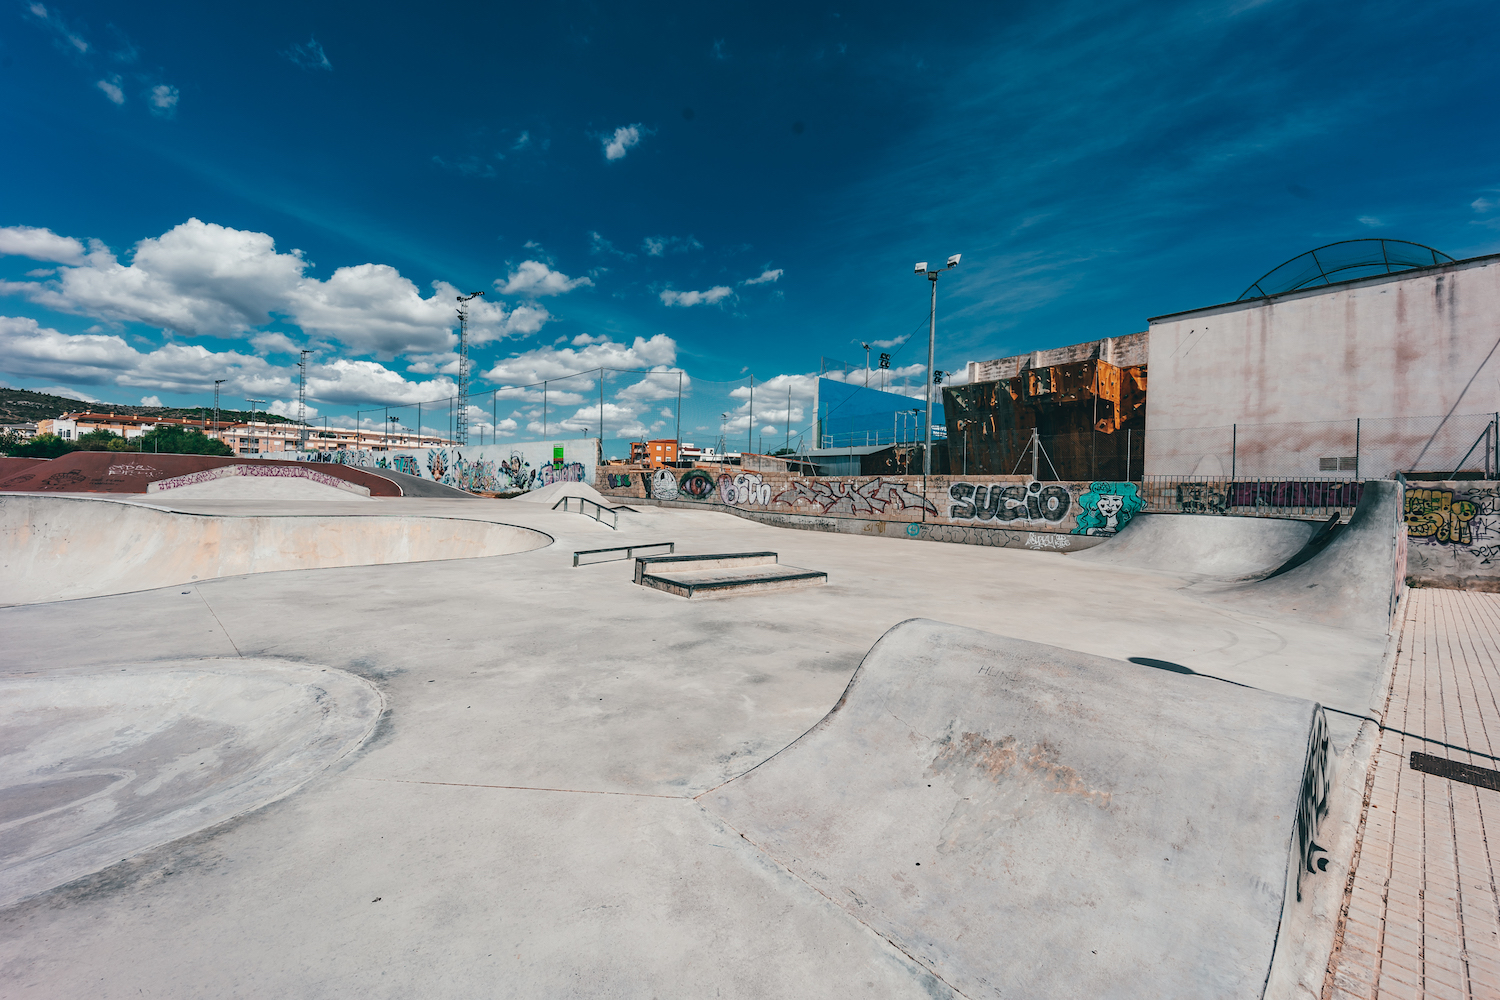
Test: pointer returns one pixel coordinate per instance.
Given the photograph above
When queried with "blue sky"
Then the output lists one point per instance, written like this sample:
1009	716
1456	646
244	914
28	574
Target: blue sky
728	189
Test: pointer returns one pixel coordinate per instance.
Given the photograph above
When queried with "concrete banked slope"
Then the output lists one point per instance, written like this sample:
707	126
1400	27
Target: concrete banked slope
1028	821
1209	545
57	548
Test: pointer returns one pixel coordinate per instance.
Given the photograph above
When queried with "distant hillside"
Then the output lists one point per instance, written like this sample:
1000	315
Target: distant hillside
20	406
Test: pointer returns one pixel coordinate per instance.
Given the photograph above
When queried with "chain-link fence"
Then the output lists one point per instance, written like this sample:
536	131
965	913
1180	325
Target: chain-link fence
1360	448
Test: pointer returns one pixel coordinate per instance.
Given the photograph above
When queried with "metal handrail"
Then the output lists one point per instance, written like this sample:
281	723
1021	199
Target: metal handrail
629	550
600	509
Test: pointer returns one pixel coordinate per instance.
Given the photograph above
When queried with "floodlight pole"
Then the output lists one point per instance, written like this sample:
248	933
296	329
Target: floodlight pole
461	419
932	276
867	364
302	401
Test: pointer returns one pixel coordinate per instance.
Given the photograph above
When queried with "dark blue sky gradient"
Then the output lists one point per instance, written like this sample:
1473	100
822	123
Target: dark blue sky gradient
1095	164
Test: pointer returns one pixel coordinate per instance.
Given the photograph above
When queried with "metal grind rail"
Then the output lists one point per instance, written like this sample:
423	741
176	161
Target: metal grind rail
629	550
597	514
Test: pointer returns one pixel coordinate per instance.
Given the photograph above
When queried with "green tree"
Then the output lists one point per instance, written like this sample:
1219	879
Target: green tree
171	439
100	440
43	446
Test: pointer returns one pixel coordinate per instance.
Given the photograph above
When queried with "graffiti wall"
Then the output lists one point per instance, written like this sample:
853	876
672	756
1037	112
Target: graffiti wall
1036	510
502	468
1453	535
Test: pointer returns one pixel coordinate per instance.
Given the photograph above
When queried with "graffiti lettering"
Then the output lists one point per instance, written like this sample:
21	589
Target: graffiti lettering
1046	541
842	497
1199	498
1435	514
1312	805
745	488
1108	507
1000	502
618	480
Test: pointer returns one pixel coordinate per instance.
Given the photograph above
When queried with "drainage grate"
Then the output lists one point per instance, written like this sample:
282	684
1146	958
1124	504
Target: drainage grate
1456	771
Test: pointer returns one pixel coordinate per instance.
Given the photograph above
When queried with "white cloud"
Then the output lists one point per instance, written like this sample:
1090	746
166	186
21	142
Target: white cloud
535	279
40	244
111	88
28	349
280	408
151	401
658	246
66	393
716	294
274	342
766	277
589	354
162	100
54	21
205	279
309	56
1371	221
1482	205
598	244
625	137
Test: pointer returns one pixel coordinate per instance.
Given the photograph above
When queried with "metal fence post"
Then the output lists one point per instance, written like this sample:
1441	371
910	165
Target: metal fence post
1234	450
1356	448
1127	454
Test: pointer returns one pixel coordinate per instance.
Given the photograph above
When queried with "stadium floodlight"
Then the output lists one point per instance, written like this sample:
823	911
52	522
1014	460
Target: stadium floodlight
932	380
921	267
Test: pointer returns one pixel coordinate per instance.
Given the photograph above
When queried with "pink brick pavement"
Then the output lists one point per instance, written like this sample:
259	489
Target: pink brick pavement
1422	906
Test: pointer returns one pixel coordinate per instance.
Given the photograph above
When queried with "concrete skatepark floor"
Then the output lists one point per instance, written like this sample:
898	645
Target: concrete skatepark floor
522	821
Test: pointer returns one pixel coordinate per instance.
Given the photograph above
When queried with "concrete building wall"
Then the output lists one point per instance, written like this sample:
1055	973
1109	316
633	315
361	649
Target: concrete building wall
1395	352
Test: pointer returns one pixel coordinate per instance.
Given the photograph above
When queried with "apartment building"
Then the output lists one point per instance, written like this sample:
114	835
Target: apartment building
71	426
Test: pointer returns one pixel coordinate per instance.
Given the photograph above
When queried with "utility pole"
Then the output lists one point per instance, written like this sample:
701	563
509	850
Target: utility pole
302	401
750	431
461	419
679	416
252	403
544	407
931	276
601	409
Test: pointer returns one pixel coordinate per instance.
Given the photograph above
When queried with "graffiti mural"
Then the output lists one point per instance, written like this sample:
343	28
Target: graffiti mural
1312	805
1201	498
1436	515
1108	507
514	468
745	488
662	484
696	484
1008	502
618	480
878	496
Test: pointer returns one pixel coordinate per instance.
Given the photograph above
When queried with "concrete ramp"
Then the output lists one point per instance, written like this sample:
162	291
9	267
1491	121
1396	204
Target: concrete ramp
1354	581
56	548
1026	821
257	482
1207	545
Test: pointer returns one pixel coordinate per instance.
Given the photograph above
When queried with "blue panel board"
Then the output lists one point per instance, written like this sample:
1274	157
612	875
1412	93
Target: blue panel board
856	416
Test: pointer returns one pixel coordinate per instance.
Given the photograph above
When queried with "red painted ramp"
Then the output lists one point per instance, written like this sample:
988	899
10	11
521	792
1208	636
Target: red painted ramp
15	466
130	472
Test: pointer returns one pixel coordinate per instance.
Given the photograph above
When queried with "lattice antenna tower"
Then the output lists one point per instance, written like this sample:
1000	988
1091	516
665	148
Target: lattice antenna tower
461	419
302	401
217	382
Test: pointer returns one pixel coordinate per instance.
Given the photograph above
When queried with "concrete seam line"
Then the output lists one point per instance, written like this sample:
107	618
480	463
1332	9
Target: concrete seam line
199	591
528	788
854	916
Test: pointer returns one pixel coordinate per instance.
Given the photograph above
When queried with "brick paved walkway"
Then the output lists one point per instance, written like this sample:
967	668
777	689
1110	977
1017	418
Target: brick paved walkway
1422	910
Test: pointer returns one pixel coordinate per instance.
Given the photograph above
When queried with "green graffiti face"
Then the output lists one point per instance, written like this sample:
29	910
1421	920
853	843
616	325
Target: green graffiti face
1107	507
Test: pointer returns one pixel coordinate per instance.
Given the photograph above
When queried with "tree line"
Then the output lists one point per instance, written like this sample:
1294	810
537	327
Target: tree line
167	439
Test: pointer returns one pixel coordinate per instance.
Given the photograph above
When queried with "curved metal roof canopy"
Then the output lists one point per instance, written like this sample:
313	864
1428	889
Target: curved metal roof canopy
1344	261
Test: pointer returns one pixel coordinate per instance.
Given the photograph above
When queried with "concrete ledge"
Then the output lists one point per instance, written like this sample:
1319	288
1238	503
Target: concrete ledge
729	584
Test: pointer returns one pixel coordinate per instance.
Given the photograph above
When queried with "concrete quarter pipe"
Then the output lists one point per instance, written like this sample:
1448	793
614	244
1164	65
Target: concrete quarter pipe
1028	821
